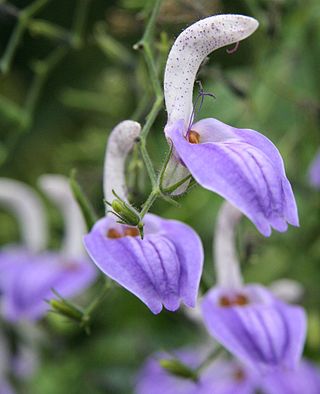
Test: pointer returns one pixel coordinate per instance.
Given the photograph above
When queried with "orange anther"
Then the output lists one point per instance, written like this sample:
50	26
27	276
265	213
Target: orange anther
113	233
225	301
193	137
131	231
239	375
241	300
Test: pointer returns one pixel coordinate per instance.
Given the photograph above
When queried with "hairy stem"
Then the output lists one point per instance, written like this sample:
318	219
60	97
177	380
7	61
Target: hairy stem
145	44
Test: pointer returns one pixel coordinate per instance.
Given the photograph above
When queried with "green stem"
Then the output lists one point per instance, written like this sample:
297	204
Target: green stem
150	200
19	29
33	8
211	357
175	186
42	70
79	23
107	286
11	48
145	45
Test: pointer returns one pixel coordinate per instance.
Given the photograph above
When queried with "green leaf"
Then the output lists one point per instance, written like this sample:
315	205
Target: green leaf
84	204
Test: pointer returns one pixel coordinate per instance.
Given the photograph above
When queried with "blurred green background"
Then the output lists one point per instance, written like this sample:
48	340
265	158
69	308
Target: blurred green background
58	118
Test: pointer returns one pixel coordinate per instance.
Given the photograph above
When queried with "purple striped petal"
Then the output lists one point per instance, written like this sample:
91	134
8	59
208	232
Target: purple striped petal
264	333
162	269
30	284
242	166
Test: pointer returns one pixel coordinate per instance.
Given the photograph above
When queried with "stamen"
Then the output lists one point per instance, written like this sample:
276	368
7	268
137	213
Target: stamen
113	233
193	137
71	266
234	49
239	375
241	300
225	301
131	232
237	300
199	102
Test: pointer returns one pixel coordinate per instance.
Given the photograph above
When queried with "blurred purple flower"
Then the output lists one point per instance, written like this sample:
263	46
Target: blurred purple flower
162	269
304	379
5	387
31	283
241	165
28	210
29	275
221	377
314	172
249	320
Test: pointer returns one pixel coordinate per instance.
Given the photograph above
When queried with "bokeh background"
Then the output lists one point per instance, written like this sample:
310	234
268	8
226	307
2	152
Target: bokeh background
56	114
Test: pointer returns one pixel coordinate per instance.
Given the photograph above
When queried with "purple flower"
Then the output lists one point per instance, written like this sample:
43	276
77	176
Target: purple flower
304	379
314	172
5	387
241	165
28	275
29	285
163	268
221	377
28	210
255	326
249	321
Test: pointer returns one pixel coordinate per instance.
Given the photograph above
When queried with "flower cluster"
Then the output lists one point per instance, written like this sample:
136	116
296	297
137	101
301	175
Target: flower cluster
160	260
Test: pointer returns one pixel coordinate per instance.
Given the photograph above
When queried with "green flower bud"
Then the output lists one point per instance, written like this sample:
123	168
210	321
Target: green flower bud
126	213
64	308
177	368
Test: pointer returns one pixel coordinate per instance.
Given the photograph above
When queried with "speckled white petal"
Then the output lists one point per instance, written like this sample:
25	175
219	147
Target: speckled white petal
120	142
191	47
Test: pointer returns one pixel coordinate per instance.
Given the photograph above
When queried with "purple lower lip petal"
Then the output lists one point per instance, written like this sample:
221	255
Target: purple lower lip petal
263	332
163	269
242	166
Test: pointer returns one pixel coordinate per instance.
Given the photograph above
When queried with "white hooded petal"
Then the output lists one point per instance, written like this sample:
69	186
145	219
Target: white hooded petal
120	142
191	47
28	208
58	190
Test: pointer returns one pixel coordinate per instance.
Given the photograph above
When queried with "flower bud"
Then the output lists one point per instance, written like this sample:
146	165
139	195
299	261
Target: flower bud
64	308
126	213
177	368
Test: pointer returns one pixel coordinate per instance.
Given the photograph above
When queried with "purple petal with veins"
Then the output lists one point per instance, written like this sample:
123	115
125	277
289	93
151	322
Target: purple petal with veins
163	269
256	327
242	166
